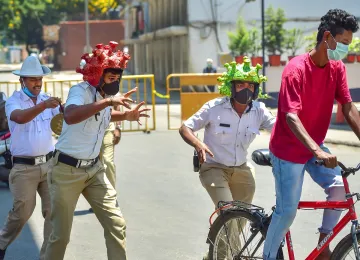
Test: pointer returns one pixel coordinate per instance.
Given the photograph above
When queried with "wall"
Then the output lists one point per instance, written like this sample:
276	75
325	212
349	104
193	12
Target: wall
274	81
200	16
72	39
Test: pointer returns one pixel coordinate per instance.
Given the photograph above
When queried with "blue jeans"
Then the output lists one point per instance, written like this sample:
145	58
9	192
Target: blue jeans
289	179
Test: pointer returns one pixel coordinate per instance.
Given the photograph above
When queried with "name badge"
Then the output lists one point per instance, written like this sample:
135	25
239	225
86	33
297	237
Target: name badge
224	125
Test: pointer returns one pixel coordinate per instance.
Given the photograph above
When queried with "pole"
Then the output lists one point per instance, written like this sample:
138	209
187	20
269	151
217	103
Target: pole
87	31
263	40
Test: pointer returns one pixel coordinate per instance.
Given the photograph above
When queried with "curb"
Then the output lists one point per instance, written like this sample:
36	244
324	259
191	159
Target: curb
338	142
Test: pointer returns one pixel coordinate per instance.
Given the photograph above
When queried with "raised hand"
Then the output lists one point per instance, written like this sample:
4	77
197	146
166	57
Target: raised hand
136	113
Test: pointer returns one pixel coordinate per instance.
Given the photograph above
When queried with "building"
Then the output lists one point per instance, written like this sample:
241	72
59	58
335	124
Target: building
177	36
72	39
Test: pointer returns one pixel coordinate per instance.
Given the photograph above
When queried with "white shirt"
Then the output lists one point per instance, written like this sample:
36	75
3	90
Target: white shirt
226	134
35	137
83	140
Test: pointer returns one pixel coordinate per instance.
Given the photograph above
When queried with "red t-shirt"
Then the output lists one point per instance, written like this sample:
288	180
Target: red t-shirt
309	92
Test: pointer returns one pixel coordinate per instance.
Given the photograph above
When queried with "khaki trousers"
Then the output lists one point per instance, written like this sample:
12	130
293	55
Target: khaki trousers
66	183
107	157
227	184
24	181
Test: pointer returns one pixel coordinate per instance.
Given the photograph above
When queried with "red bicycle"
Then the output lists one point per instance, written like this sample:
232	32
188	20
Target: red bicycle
240	229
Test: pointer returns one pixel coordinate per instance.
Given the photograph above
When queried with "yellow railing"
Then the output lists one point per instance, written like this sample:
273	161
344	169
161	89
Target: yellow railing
190	101
146	89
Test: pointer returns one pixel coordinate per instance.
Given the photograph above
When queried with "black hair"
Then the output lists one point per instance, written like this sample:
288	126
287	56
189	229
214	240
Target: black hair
114	71
336	21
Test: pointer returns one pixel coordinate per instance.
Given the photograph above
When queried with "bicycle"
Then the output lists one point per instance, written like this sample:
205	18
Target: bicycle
221	241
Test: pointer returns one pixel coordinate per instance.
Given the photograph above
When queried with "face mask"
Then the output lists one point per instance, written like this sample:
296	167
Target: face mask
110	89
209	65
27	91
244	96
340	51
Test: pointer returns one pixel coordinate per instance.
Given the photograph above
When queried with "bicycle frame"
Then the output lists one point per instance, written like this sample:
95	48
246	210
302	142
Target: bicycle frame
350	216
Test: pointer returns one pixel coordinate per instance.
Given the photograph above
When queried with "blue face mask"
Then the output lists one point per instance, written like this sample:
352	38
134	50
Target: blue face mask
340	51
27	91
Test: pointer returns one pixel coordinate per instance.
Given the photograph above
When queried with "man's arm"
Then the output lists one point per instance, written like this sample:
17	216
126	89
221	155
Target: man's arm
352	117
75	114
23	116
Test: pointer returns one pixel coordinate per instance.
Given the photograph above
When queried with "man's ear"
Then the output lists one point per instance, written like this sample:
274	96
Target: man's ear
326	36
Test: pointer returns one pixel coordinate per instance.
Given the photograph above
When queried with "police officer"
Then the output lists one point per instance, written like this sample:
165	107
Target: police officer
231	123
29	112
76	166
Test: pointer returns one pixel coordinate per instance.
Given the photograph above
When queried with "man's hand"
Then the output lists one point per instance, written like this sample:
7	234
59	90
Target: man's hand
136	113
329	159
202	150
124	100
52	102
117	136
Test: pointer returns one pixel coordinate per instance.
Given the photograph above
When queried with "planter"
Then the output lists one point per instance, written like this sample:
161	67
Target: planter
274	60
283	62
351	58
239	59
256	60
358	58
291	57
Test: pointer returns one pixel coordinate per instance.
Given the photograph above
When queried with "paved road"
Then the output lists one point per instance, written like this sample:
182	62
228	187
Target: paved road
165	205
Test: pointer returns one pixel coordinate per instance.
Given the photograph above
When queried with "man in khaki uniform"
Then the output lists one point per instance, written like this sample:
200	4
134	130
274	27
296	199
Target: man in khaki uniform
29	113
231	124
76	166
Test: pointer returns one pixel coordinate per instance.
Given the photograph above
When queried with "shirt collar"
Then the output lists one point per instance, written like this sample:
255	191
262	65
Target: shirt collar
24	97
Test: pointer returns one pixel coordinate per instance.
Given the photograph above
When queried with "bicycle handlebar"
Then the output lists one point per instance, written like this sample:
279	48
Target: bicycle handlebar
346	171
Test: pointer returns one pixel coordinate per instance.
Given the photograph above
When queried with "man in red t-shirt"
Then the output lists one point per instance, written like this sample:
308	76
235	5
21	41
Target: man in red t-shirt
310	83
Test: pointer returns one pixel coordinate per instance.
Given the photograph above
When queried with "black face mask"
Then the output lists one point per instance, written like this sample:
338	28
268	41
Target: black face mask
244	96
110	89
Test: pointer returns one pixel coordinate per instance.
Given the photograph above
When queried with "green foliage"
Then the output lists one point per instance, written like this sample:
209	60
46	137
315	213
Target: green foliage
310	41
274	30
294	40
254	37
354	47
239	42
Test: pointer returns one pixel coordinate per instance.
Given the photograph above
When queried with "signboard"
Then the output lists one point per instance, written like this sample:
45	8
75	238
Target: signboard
51	33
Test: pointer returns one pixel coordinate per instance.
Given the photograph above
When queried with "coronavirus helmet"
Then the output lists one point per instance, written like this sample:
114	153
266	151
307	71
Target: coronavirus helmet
240	73
93	64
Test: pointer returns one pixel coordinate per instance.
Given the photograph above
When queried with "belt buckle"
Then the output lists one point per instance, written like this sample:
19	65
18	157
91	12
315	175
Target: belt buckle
86	163
40	160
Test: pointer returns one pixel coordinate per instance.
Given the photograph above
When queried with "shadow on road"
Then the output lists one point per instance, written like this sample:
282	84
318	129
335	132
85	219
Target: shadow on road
25	246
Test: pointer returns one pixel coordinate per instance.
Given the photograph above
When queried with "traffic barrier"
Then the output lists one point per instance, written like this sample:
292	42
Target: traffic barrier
145	84
190	100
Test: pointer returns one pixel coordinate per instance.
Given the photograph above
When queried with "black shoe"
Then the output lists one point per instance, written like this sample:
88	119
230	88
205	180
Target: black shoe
90	210
2	254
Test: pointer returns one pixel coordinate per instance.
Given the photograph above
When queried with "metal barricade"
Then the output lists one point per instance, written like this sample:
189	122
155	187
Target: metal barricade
144	83
191	100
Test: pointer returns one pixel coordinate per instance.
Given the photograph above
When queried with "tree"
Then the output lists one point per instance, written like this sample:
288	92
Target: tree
274	30
239	41
23	20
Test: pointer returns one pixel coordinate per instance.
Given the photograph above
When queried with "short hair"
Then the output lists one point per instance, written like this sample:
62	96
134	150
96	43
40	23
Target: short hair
336	21
115	71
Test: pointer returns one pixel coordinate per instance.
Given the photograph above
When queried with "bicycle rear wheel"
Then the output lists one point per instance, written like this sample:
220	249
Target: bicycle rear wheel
344	250
237	235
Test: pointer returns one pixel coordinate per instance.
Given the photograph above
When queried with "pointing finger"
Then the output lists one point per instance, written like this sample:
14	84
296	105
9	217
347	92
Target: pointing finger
127	94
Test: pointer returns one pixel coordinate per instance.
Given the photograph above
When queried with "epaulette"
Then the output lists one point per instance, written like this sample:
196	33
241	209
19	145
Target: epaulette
218	101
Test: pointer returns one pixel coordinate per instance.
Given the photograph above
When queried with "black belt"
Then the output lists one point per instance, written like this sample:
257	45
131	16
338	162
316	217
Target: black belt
33	161
71	161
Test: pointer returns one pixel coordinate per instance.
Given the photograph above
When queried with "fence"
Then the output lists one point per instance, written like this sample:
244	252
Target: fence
190	87
144	83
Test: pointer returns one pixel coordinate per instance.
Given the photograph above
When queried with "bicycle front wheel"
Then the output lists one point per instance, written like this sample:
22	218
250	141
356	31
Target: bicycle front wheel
237	235
345	250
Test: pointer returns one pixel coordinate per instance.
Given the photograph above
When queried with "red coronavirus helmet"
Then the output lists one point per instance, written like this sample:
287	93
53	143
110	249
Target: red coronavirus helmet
102	57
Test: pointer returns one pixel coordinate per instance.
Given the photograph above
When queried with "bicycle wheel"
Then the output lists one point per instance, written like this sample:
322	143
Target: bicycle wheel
344	250
237	235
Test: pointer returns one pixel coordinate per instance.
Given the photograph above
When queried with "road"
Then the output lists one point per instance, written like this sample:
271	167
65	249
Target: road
164	204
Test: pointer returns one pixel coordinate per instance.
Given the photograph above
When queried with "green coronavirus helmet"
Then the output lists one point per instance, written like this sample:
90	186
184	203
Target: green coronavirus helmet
240	72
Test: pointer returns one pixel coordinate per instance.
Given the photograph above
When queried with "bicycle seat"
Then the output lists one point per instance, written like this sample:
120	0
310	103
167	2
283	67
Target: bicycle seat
261	157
